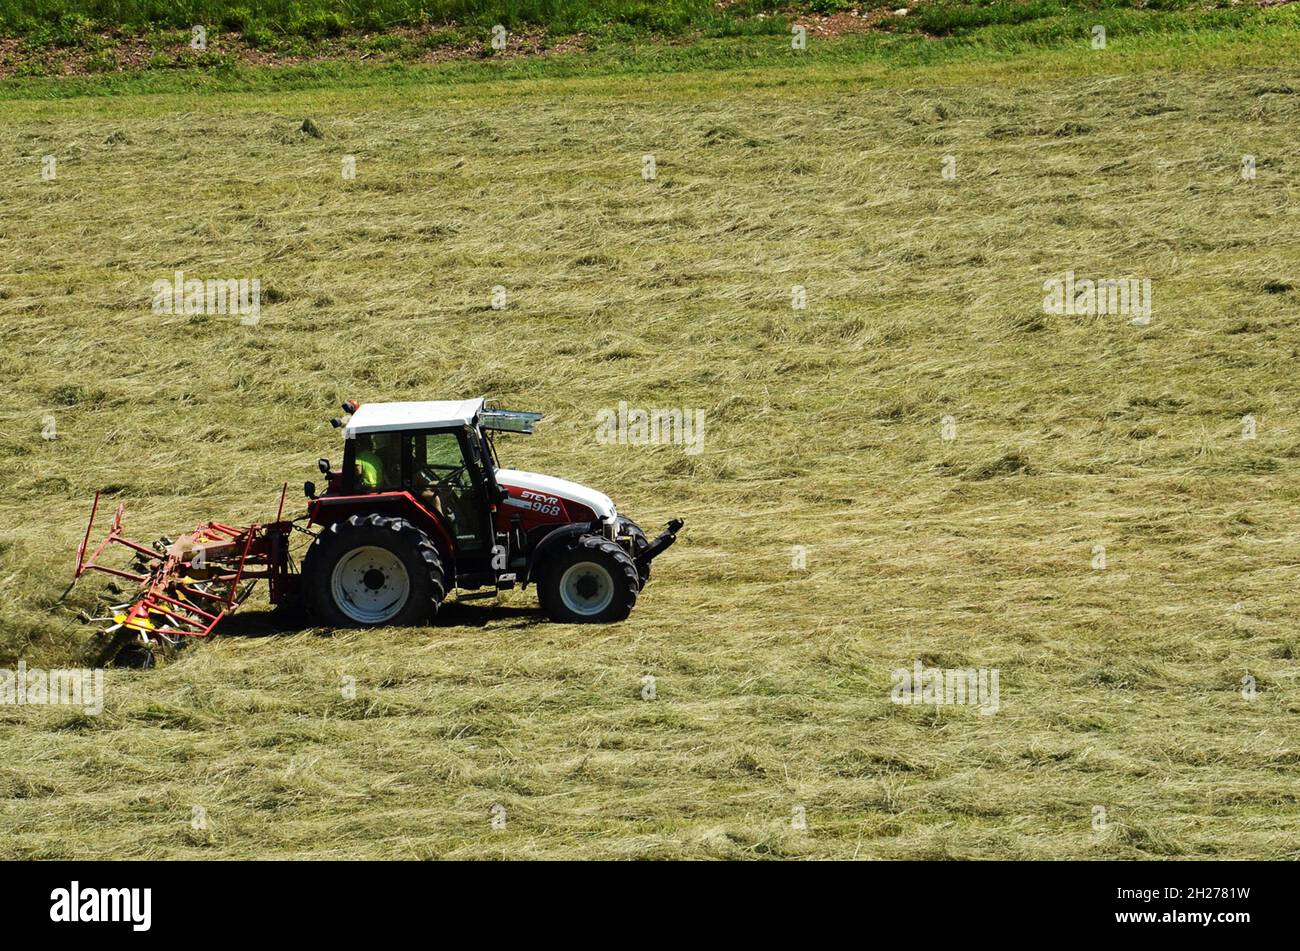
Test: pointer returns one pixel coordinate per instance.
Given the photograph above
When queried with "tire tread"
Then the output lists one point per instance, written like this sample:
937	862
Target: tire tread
315	586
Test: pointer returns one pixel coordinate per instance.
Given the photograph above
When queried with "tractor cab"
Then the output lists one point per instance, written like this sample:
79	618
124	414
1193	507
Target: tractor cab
429	459
441	466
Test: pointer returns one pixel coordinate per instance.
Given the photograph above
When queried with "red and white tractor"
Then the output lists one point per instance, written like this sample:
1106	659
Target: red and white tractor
420	506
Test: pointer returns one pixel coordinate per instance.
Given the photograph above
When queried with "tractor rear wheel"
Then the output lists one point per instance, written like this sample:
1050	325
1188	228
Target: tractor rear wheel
369	570
593	582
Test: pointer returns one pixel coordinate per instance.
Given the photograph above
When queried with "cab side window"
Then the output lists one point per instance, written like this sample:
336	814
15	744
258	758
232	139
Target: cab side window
441	452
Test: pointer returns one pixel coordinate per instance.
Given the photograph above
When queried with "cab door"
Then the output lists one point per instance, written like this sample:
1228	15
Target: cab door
444	477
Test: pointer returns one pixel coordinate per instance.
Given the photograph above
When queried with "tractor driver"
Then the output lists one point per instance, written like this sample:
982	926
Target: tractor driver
376	460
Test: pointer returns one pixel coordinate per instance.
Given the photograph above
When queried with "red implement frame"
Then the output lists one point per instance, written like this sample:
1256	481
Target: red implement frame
186	587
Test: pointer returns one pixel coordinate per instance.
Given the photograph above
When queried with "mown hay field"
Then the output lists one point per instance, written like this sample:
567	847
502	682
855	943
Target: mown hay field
1121	687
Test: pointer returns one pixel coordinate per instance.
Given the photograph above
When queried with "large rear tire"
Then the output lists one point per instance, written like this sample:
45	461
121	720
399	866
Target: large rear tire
593	582
370	570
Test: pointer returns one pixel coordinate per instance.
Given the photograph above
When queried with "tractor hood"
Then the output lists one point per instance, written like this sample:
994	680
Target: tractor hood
598	502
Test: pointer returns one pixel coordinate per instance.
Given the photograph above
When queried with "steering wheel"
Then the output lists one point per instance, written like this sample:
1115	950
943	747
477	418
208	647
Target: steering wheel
429	475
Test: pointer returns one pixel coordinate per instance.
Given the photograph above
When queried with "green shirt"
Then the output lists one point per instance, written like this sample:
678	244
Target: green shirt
372	470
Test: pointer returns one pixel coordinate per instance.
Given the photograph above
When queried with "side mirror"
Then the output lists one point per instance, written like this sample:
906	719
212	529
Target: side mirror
323	465
309	489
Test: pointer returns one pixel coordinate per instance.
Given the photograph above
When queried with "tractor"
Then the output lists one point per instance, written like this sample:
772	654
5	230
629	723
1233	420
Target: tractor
419	507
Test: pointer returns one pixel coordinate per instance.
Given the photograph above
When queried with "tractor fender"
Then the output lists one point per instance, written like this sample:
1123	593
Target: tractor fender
554	542
327	509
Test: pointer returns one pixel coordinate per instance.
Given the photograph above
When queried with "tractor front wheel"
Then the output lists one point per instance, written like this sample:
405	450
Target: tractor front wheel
625	526
370	570
594	582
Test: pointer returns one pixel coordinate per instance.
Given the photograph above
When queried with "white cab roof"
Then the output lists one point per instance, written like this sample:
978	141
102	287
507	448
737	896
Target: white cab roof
382	417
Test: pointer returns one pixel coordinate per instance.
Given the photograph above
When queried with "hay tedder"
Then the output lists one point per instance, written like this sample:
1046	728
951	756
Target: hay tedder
184	587
419	507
